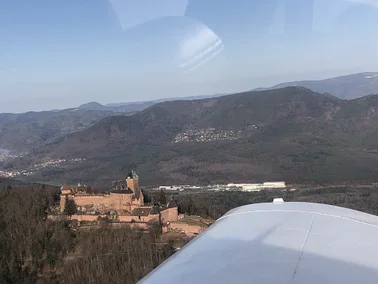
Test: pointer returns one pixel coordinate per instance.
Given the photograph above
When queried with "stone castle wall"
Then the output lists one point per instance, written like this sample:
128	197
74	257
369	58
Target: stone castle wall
113	201
132	183
127	218
122	219
169	215
123	202
81	218
144	219
138	202
62	202
187	229
94	218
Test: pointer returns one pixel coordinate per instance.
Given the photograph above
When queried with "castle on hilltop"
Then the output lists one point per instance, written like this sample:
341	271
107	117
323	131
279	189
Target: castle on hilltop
124	203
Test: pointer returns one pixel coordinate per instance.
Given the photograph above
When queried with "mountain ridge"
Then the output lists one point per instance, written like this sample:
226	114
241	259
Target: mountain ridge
32	129
350	86
292	133
25	132
138	105
168	117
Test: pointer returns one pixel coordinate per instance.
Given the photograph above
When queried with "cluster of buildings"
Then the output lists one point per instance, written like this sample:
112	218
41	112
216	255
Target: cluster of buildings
5	155
9	174
257	186
212	134
178	187
125	205
47	164
204	135
57	162
228	187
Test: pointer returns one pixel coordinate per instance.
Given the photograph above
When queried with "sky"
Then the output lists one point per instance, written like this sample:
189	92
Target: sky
60	54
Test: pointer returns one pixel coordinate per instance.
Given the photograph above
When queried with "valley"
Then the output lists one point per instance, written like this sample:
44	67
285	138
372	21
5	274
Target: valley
286	132
291	134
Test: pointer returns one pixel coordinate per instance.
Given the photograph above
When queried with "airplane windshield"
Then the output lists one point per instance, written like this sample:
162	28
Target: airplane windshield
128	127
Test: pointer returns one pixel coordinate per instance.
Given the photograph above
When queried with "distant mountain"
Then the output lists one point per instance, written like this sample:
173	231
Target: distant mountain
94	106
27	131
160	123
165	100
344	87
130	107
120	108
293	134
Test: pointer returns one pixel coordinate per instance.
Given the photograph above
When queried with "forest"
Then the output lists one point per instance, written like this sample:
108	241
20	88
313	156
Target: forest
215	204
36	250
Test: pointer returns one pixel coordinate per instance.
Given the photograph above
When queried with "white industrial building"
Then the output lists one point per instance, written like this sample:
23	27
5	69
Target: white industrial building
170	187
178	187
274	184
230	186
257	186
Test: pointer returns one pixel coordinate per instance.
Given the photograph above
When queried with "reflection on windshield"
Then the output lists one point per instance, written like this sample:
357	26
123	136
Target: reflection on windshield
190	47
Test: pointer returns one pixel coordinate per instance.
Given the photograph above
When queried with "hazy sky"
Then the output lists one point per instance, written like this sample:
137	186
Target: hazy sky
60	54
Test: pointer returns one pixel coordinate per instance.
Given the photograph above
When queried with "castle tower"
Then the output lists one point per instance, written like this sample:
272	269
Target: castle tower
132	181
65	192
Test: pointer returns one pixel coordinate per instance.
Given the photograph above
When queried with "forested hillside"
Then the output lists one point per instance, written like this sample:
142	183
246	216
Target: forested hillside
35	250
290	134
28	131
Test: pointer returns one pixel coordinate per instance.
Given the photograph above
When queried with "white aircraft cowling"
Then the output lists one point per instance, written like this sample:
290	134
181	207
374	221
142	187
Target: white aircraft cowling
281	242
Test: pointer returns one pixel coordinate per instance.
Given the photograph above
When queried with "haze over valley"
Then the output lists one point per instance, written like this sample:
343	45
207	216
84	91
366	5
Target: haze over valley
284	133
